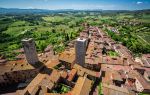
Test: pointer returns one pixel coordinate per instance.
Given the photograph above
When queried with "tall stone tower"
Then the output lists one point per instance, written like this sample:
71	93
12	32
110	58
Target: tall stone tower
30	51
80	50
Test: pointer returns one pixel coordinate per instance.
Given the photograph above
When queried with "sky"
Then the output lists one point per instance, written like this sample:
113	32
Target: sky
77	4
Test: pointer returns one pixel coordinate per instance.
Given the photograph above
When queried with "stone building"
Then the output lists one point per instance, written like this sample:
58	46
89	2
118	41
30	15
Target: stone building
80	50
30	51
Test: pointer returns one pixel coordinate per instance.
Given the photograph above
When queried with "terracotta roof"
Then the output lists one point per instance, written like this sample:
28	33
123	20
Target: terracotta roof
106	78
131	75
139	67
52	63
146	60
11	66
47	83
148	73
116	76
72	74
64	74
54	76
122	74
143	82
114	90
134	74
81	71
68	56
33	86
42	80
93	61
120	67
111	60
93	54
82	87
55	94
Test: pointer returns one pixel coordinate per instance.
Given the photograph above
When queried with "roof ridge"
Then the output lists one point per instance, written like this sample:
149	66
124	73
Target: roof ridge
84	78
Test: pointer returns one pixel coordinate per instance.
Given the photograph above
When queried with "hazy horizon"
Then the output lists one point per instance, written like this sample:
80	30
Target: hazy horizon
77	4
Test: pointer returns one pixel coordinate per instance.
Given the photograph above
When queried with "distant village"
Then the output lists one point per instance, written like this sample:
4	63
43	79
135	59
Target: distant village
91	60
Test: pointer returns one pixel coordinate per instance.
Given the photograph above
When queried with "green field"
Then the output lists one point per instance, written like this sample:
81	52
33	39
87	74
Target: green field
58	29
54	19
45	31
145	36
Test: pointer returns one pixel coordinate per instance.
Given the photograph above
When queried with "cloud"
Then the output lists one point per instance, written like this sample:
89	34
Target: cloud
138	3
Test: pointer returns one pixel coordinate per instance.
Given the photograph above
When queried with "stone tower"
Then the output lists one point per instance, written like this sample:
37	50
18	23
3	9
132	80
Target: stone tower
30	51
80	50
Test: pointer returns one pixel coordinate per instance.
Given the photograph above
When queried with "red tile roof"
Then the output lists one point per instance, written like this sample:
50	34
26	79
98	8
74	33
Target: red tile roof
72	74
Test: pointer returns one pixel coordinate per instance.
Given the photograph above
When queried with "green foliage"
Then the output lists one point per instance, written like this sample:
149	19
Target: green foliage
61	88
132	42
112	53
18	23
142	94
54	30
59	29
100	89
